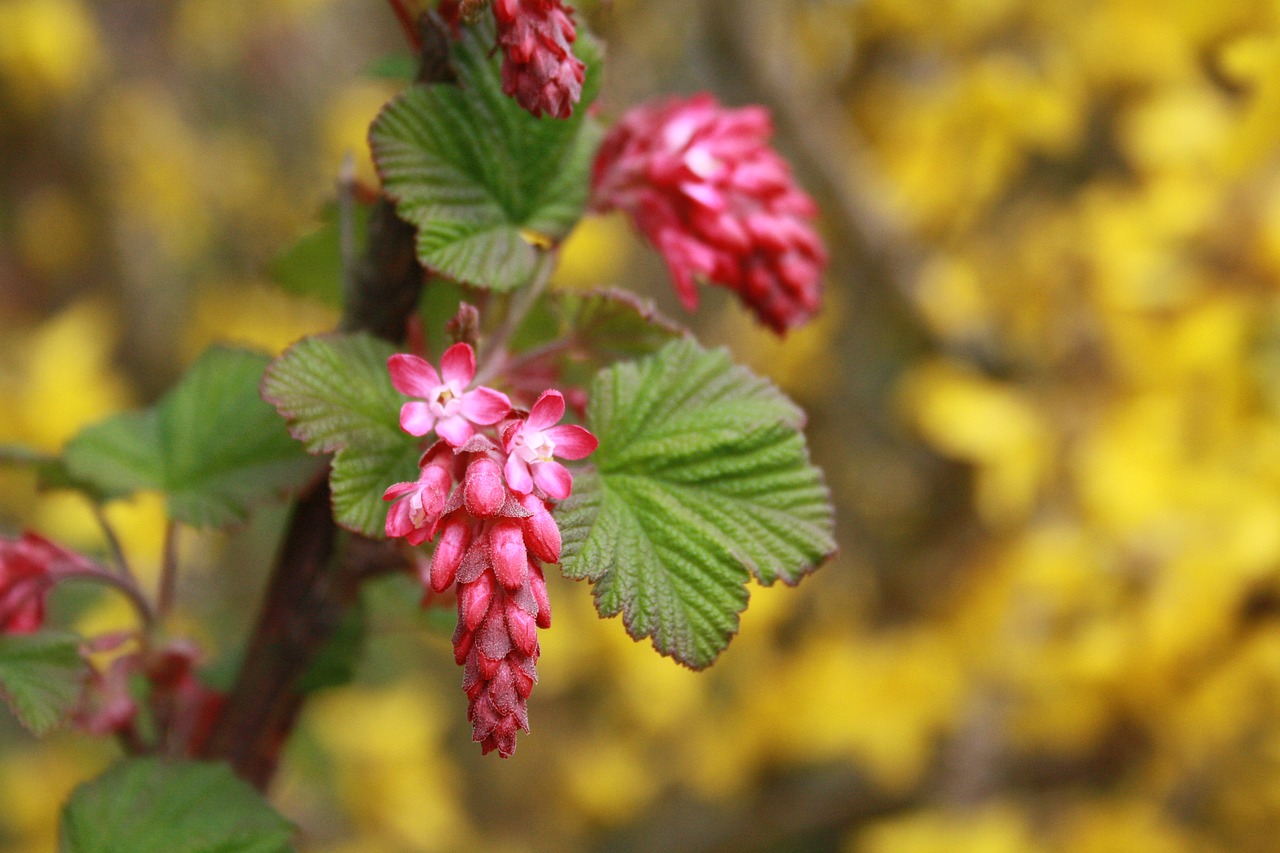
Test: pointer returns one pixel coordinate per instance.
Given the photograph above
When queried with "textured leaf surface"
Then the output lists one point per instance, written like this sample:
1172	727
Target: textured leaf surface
701	481
211	445
145	805
482	179
40	677
336	394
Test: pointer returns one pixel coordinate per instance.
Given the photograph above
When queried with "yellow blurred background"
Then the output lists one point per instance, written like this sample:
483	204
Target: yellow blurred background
1046	393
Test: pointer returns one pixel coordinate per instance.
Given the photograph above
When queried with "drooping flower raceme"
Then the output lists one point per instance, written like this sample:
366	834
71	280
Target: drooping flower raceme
539	69
704	187
445	405
489	505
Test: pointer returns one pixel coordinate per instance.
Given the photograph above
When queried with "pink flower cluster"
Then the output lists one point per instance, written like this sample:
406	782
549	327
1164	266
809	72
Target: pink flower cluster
539	69
702	184
488	496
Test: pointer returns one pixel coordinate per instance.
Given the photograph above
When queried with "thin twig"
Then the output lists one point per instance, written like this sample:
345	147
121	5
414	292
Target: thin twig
97	573
494	354
113	543
168	571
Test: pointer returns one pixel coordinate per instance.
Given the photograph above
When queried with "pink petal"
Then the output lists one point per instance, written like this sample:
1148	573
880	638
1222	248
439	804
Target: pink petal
458	365
416	418
397	490
455	430
398	521
412	375
548	410
554	479
485	405
517	472
572	441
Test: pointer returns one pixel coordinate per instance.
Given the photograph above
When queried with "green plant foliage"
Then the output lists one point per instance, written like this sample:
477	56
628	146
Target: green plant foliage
573	335
702	480
313	265
211	445
483	180
40	677
146	805
336	394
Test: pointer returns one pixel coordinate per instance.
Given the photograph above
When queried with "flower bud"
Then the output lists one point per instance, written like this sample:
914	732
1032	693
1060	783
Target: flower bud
474	599
538	585
541	533
523	630
454	538
483	491
510	559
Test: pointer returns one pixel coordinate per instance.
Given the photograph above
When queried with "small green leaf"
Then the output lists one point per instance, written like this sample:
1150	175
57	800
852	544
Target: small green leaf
393	66
312	266
336	394
701	481
212	446
146	805
573	335
41	676
484	181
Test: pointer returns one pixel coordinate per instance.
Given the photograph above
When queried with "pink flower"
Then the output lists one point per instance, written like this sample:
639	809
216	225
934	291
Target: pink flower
25	565
532	443
445	404
539	69
418	504
704	187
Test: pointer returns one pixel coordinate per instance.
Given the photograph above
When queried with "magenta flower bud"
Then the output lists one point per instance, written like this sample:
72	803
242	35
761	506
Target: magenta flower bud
541	533
524	684
539	69
510	559
474	599
703	186
538	586
523	629
462	643
488	666
502	690
483	491
454	538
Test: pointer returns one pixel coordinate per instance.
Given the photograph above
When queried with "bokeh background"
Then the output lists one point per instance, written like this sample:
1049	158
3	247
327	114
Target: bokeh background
1046	393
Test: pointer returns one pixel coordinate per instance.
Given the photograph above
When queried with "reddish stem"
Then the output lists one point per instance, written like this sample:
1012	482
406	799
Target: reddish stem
409	23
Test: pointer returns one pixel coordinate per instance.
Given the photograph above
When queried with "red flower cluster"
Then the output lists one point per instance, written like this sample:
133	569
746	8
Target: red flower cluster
539	69
490	504
702	184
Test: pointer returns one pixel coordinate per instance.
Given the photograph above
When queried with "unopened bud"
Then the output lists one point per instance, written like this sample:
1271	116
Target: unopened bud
454	538
541	533
510	559
523	630
483	491
474	599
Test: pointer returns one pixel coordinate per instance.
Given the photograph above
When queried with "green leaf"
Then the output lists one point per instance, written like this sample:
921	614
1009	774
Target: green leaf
484	181
146	805
41	676
312	266
573	335
336	394
702	480
211	445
